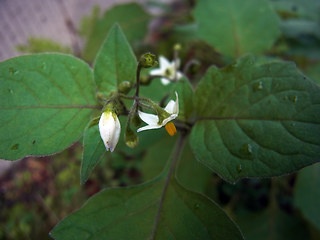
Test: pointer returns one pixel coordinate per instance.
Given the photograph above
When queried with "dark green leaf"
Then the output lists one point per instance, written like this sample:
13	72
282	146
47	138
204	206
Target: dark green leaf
154	160
307	193
187	32
122	212
192	174
93	151
272	223
313	71
256	120
131	17
236	27
185	92
46	102
115	62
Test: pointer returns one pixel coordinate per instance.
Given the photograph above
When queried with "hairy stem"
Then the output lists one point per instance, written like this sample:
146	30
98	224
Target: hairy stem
138	79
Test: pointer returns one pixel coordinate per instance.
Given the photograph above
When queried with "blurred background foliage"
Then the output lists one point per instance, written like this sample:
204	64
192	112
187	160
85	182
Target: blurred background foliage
38	192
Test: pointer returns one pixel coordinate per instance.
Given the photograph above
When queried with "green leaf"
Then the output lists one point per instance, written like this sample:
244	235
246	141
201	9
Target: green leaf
192	174
163	208
131	212
186	33
185	92
131	17
256	120
307	194
272	223
154	160
236	27
93	151
115	62
313	71
46	102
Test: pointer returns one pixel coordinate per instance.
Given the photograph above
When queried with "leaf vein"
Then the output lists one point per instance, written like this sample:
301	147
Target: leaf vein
77	83
124	217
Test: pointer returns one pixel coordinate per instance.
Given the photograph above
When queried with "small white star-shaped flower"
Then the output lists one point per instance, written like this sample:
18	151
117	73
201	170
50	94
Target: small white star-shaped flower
168	70
153	122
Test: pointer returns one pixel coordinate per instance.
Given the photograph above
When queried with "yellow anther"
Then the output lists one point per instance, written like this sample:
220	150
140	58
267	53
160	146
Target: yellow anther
171	128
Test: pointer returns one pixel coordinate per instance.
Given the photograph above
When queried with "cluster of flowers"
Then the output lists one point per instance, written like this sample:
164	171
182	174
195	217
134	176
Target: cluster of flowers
109	125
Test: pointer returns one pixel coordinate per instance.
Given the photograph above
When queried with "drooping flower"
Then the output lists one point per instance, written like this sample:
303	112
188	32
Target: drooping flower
109	127
168	70
169	113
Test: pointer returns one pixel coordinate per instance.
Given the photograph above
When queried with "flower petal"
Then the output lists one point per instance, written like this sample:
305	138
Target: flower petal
107	128
170	106
179	75
150	119
176	106
116	134
164	63
168	119
165	81
173	106
148	127
156	72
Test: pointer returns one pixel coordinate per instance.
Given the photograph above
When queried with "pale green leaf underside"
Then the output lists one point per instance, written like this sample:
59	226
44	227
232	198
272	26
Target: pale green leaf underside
256	120
46	102
307	193
236	27
115	62
93	152
131	212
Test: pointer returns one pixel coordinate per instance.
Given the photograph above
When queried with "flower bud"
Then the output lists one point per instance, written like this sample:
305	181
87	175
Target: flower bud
145	80
136	121
148	60
124	87
109	127
131	138
177	47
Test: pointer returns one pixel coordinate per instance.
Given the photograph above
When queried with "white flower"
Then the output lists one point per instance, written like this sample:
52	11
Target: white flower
109	127
168	70
172	110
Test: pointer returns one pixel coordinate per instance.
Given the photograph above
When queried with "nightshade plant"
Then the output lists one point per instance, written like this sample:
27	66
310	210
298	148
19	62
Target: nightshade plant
248	119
